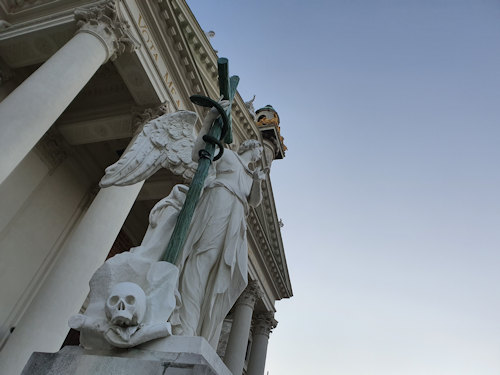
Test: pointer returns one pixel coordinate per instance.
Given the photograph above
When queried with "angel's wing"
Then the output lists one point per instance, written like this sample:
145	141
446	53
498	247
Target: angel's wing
166	141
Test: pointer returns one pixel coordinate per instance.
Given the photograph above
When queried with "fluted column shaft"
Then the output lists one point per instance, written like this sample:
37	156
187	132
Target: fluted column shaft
31	109
262	326
234	358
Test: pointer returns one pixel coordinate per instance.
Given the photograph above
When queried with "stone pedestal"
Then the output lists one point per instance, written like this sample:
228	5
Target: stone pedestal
175	355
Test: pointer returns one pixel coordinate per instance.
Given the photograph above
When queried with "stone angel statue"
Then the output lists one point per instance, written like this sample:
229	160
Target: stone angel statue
211	271
213	262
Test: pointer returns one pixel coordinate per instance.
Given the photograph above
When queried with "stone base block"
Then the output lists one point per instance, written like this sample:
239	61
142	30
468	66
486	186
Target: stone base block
176	355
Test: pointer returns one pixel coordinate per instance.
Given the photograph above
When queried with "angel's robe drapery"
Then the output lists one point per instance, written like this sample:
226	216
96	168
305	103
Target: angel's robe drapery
213	265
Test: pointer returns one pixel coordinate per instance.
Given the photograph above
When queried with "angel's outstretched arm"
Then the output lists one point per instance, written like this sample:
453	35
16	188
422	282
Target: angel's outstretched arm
255	196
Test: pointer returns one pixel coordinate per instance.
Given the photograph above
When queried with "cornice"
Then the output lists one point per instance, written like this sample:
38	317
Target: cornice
270	252
196	50
274	229
196	38
173	24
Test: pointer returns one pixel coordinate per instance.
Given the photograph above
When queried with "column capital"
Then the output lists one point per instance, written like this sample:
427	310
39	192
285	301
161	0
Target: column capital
264	323
141	115
103	21
250	295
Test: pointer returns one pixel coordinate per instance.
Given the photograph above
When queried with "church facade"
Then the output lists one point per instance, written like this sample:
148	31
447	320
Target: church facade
78	79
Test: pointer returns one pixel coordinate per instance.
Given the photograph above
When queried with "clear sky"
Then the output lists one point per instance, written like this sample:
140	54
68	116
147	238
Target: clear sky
390	190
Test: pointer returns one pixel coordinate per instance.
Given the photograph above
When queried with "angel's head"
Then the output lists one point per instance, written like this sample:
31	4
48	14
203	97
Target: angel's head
253	146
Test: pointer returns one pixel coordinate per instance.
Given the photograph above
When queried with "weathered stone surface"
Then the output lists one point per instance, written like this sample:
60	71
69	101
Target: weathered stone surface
130	301
170	356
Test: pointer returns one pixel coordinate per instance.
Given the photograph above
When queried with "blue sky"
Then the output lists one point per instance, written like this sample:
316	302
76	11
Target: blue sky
390	188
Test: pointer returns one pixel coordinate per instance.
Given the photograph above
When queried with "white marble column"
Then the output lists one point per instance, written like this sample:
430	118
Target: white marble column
263	324
44	325
234	358
30	110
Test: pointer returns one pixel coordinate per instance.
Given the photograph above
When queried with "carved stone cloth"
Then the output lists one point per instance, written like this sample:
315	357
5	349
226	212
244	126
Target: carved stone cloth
157	279
162	219
213	265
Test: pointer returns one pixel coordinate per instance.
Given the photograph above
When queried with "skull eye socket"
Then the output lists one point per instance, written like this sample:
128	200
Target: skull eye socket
113	300
130	300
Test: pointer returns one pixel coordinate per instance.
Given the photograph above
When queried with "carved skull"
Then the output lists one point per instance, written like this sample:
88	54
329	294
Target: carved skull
126	304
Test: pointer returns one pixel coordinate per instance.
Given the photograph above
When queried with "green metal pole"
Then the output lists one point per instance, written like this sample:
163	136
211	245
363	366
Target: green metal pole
227	88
